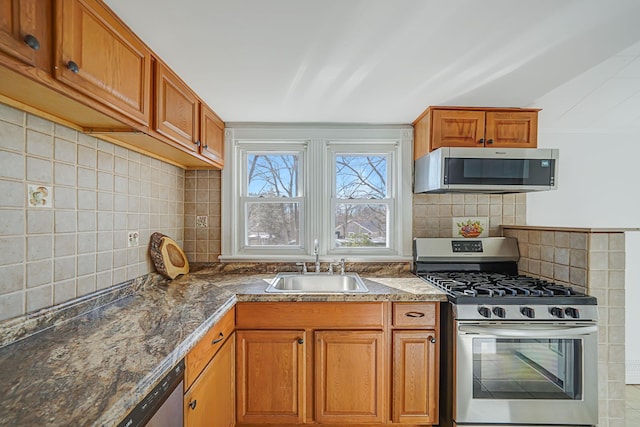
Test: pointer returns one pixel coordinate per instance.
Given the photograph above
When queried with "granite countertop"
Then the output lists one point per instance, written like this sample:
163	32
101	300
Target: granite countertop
94	367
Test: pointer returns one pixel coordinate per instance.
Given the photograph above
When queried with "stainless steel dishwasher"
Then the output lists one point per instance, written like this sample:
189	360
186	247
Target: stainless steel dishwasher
162	407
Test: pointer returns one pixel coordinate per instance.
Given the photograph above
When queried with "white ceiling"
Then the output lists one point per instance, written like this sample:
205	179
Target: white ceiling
383	61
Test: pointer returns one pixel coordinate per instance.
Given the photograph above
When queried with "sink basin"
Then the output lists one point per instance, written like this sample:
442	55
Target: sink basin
314	283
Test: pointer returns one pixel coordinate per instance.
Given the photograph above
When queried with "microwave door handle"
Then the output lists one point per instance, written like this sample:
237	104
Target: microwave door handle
528	333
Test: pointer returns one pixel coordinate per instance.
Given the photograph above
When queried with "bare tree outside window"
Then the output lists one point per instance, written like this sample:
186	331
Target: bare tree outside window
273	219
360	181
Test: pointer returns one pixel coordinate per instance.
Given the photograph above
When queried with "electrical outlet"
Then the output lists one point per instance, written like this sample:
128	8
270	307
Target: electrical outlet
133	238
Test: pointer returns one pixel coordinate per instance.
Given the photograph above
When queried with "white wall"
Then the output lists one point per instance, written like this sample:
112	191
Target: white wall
599	186
595	122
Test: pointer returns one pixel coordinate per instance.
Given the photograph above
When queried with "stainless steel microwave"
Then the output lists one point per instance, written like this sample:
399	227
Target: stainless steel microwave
486	170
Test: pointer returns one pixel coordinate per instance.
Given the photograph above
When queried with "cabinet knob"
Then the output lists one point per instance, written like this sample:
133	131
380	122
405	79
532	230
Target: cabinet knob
481	141
490	141
300	341
432	339
217	340
206	147
73	67
32	42
193	404
198	143
414	314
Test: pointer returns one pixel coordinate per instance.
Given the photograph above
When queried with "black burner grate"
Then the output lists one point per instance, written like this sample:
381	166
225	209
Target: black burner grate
496	285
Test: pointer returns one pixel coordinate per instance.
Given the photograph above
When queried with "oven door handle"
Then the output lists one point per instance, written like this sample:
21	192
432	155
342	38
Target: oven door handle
528	332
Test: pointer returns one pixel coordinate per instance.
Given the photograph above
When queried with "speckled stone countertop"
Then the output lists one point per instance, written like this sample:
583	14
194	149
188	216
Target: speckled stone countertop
94	367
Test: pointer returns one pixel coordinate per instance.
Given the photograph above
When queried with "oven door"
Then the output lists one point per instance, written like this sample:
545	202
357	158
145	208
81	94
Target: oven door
525	373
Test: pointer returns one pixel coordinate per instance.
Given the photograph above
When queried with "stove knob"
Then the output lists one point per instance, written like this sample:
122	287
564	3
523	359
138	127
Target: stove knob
484	312
500	312
557	312
572	312
528	312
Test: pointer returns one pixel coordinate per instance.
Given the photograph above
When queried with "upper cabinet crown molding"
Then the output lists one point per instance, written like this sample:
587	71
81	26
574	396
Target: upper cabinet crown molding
475	127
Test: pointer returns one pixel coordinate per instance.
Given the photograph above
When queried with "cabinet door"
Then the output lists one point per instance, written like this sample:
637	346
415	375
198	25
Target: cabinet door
99	57
18	29
349	375
177	114
512	129
270	369
210	402
211	135
457	128
415	377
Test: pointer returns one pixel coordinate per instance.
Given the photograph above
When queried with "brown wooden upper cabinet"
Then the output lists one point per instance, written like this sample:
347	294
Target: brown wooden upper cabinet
24	30
100	77
475	127
101	58
177	114
212	135
184	119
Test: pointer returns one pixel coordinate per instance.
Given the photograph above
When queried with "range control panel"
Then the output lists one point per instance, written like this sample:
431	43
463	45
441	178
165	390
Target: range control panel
525	312
466	245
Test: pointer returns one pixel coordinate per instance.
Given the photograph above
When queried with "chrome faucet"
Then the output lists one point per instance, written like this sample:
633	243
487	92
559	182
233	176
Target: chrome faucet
317	254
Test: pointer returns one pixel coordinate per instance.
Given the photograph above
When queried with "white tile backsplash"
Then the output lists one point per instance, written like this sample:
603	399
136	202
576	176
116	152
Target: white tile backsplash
52	255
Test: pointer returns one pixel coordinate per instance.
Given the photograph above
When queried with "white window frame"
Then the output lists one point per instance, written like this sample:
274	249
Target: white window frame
298	148
387	149
318	143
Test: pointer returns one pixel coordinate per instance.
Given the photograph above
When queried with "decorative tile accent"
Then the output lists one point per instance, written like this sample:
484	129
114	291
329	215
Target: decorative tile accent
40	196
202	221
470	227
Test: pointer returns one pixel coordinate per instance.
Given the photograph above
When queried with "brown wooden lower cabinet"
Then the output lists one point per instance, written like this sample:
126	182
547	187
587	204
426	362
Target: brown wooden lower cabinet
415	373
319	363
210	401
270	367
349	375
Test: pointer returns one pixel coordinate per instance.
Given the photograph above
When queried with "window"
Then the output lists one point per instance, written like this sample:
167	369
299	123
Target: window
348	187
271	199
361	206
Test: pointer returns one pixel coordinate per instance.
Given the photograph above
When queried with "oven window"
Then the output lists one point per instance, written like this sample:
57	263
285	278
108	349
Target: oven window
527	368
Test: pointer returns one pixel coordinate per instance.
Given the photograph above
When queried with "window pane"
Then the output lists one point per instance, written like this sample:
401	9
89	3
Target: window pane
361	177
273	224
361	225
272	175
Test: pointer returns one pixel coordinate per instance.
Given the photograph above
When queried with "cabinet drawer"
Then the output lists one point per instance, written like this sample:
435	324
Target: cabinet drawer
208	346
312	315
415	315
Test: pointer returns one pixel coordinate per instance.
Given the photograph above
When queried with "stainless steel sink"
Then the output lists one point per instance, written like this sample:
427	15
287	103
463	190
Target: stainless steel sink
313	283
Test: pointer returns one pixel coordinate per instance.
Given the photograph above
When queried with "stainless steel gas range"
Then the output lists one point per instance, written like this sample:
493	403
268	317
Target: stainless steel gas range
516	350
